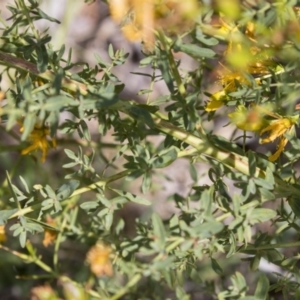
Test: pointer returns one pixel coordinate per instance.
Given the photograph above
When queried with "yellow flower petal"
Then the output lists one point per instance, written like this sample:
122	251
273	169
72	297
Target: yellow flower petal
132	32
251	119
276	129
38	140
99	260
280	148
118	9
216	101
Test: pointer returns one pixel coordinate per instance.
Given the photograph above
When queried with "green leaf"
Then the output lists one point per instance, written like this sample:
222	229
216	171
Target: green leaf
84	132
34	227
43	224
193	172
56	103
132	197
22	238
266	195
237	221
42	58
111	51
158	229
147	180
89	205
252	163
208	41
163	64
70	154
254	263
103	97
140	113
108	220
67	189
165	158
270	177
260	215
50	192
101	62
216	267
262	288
43	15
205	229
295	205
193	50
28	125
5	214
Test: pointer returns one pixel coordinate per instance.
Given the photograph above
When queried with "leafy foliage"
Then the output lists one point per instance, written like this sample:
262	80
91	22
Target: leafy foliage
241	208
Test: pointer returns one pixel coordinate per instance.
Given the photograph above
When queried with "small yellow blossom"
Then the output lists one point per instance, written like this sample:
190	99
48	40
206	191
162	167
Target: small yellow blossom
254	119
49	235
216	101
140	18
99	259
39	141
277	129
231	80
243	57
251	119
2	234
43	292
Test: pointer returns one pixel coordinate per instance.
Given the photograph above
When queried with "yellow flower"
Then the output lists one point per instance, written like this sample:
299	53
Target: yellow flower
136	19
230	82
277	129
2	234
49	235
38	140
216	101
99	260
251	119
139	18
118	9
43	292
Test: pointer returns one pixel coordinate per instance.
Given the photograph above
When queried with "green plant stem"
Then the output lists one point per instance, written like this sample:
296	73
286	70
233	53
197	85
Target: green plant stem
172	63
23	65
59	238
101	183
134	280
27	13
205	147
269	246
231	160
30	259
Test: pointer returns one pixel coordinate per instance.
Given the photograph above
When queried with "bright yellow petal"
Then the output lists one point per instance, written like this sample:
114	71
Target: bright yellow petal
118	9
276	129
132	32
251	119
29	149
280	148
216	101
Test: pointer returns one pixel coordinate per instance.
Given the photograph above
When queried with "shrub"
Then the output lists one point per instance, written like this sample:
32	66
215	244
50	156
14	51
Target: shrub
69	193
